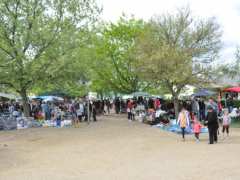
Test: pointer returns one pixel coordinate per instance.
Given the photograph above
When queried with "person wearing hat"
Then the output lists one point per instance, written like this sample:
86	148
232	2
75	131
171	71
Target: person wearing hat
212	124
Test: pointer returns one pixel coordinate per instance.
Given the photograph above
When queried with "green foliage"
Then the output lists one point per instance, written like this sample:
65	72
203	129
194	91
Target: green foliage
115	56
38	40
177	50
236	103
231	69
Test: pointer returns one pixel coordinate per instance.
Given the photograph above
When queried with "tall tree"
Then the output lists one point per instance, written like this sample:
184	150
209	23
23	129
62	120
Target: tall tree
232	68
115	56
37	36
177	50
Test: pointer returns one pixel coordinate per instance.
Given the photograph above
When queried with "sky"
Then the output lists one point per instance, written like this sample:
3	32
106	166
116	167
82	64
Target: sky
227	13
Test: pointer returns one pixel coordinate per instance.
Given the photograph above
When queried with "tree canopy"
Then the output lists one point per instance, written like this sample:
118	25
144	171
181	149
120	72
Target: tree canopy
115	55
177	50
38	39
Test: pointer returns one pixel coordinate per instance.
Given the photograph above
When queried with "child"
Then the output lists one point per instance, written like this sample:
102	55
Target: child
226	122
196	127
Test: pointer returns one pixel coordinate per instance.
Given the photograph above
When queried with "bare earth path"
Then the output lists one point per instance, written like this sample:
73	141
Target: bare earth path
114	149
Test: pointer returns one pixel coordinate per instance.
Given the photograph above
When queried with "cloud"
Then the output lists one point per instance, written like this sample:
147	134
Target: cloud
227	13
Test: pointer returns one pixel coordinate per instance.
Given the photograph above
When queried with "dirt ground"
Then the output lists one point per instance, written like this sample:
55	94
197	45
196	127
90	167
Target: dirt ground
115	149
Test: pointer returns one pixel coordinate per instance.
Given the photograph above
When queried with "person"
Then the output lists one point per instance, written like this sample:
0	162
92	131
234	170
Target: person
129	109
196	127
212	124
80	112
117	104
58	117
11	109
157	104
226	123
213	104
202	109
230	104
46	110
133	111
183	121
195	107
94	112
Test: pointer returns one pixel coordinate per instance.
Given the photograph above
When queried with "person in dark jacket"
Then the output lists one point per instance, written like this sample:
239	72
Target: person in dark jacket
202	109
94	112
212	123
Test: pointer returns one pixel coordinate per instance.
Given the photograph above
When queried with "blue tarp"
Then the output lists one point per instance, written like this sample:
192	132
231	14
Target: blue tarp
176	129
203	93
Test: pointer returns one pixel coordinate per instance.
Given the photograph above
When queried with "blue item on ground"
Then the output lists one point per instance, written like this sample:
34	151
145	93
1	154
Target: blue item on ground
58	122
176	129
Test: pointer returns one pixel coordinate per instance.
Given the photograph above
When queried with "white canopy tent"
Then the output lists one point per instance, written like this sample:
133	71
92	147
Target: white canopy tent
8	96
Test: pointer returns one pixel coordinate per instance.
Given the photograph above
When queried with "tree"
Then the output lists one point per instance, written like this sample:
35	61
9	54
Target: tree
177	50
231	69
115	56
36	38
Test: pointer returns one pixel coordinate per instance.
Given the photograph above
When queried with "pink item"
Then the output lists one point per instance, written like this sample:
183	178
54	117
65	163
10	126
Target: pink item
157	104
197	127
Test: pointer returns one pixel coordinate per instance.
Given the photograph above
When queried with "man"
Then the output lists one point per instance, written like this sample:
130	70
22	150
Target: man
46	110
195	107
230	104
108	104
117	104
212	123
94	112
202	109
213	104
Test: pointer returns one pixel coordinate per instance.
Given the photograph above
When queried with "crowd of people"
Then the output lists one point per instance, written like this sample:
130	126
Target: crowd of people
76	110
197	112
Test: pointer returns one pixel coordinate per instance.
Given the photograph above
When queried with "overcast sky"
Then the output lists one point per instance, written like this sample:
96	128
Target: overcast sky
227	13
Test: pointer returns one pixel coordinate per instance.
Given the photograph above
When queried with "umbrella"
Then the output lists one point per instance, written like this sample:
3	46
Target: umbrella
124	97
138	94
232	89
49	98
203	93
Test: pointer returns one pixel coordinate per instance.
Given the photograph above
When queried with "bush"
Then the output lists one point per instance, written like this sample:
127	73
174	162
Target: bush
236	103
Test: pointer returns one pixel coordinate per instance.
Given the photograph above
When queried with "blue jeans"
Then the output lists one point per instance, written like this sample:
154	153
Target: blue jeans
58	122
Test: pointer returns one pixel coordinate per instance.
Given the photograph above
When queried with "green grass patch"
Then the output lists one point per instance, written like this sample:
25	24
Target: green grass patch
235	122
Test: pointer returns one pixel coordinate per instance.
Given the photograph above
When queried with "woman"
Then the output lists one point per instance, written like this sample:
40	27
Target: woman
129	109
183	121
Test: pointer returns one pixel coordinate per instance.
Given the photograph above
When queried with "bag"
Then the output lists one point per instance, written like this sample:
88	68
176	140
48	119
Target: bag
205	123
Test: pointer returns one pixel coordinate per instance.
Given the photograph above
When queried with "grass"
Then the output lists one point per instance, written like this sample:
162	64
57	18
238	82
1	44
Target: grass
235	123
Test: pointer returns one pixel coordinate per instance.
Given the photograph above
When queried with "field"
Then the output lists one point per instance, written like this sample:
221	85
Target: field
115	149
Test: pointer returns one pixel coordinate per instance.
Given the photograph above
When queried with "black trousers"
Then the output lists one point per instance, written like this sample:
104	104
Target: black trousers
80	118
213	137
129	116
197	135
225	127
202	114
94	115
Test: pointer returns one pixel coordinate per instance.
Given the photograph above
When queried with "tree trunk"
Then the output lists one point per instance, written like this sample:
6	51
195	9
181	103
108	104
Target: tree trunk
26	108
101	95
176	106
